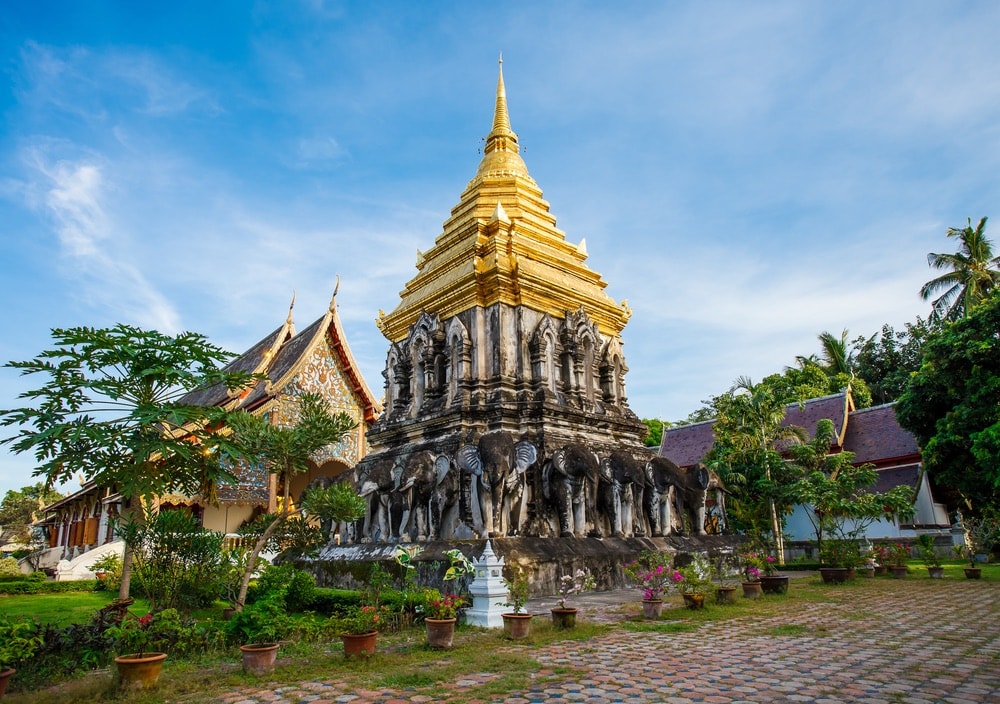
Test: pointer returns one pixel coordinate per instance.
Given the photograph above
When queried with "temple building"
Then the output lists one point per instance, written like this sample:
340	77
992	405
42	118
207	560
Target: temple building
504	328
316	359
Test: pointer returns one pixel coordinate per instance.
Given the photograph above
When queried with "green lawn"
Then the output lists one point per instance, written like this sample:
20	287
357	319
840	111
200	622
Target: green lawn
63	608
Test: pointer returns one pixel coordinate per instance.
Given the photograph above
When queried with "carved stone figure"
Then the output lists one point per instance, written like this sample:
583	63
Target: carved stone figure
628	491
686	499
570	481
429	491
377	488
660	475
498	466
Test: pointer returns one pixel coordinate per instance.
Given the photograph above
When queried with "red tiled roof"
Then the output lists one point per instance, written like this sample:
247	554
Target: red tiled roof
687	445
874	435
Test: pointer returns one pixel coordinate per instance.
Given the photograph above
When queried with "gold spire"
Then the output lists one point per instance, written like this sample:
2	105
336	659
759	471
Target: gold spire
501	120
501	154
501	245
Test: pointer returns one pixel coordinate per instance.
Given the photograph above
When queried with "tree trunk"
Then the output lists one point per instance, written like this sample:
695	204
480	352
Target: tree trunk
258	548
126	583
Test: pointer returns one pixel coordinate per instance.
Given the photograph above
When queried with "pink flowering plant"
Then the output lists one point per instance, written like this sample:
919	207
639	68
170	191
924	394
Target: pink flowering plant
576	583
653	574
362	619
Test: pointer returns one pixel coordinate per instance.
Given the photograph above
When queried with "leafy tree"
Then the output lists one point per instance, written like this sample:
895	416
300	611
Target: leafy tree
886	360
748	437
951	405
836	494
655	435
972	273
18	508
285	452
112	408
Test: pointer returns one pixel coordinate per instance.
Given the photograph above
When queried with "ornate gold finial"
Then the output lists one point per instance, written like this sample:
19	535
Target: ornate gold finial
333	298
290	307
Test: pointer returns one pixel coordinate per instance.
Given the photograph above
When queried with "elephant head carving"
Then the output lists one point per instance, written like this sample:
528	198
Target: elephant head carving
623	488
498	466
570	481
377	486
679	494
429	490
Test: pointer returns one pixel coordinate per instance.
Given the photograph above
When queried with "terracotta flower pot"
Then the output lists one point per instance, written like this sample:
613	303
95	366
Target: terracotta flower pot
140	670
881	570
564	617
973	572
936	572
651	608
899	572
516	626
359	645
725	595
751	590
5	676
440	632
259	658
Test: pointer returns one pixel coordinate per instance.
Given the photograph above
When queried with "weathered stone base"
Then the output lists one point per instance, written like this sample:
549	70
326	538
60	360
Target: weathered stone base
544	559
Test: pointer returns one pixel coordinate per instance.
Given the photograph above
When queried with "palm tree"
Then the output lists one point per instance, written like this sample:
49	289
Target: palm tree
974	271
749	432
836	358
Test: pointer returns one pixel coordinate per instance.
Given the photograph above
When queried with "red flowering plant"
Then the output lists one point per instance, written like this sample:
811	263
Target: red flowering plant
441	606
361	620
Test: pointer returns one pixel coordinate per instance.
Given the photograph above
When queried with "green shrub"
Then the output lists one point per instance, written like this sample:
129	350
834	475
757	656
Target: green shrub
264	621
9	568
294	586
331	602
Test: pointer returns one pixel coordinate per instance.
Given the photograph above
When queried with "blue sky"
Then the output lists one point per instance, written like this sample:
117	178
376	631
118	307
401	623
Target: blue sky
746	175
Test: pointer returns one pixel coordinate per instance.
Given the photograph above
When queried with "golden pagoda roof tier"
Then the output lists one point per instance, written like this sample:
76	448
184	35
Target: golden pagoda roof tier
501	245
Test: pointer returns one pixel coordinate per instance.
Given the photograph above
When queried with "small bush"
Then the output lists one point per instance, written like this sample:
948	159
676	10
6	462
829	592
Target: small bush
295	587
9	568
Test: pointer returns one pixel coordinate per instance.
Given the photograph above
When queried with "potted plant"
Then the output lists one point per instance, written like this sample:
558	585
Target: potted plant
981	534
695	583
259	627
440	616
881	556
929	556
838	557
358	629
899	554
727	574
18	641
569	584
516	623
110	563
653	575
138	668
753	569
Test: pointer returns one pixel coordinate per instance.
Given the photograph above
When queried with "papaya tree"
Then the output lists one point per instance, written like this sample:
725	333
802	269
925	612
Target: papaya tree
112	408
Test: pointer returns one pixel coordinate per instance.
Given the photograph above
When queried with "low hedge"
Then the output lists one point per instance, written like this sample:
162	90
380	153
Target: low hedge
35	587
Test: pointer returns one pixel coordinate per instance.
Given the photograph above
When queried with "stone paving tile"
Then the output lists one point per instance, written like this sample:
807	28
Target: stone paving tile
909	643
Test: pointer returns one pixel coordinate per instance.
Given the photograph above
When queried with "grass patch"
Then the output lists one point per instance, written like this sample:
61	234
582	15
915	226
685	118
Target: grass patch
64	608
789	629
660	626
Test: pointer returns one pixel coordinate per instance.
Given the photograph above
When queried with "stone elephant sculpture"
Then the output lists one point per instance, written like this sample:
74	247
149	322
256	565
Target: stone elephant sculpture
624	494
679	494
377	486
429	491
498	489
570	480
